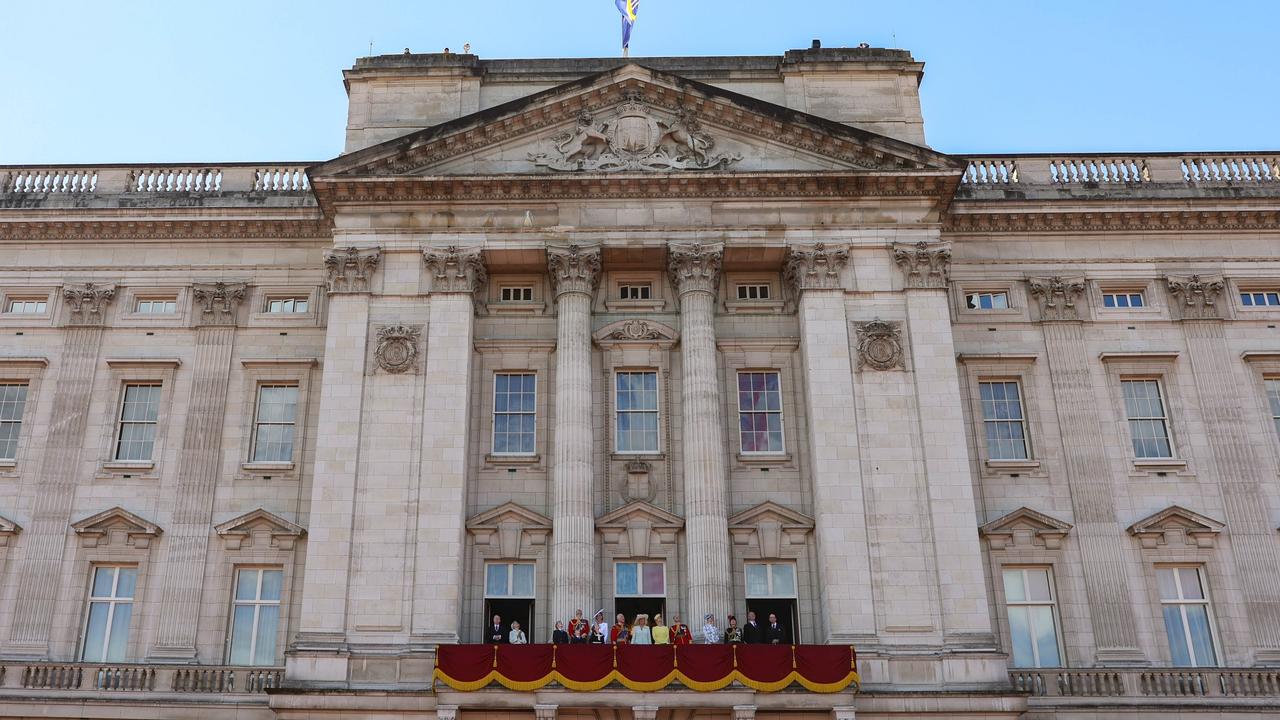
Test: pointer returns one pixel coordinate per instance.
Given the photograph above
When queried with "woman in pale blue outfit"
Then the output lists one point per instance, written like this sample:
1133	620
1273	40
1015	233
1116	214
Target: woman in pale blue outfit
640	634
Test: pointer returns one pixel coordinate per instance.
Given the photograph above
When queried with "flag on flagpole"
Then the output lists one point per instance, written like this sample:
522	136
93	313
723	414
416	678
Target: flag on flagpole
628	9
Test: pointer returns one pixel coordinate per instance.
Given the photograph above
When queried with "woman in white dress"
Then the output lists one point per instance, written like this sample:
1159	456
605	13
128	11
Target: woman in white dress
640	634
517	636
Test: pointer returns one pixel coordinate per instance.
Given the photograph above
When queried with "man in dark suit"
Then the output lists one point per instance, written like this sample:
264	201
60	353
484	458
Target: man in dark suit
560	636
752	633
774	633
494	634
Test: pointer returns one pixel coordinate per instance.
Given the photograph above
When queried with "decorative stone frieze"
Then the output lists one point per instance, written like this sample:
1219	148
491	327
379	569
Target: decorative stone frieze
924	265
87	302
880	345
1025	528
1197	295
349	270
243	532
397	348
456	270
573	270
115	526
695	268
814	269
1057	296
218	302
636	331
1176	523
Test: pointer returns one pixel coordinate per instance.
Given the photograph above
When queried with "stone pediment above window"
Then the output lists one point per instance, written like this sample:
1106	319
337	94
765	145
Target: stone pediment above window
259	529
508	529
8	529
1025	528
638	524
116	527
635	120
637	332
1176	525
773	526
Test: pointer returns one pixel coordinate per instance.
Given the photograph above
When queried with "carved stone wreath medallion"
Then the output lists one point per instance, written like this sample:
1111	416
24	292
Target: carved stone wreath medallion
397	349
880	345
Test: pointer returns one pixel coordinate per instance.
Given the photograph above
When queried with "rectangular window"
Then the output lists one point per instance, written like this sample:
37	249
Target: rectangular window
1148	425
753	292
255	616
139	413
635	292
13	402
1003	420
1033	628
515	413
637	412
639	579
516	294
987	301
1273	396
287	304
275	424
27	306
106	631
771	580
1187	620
760	412
1123	299
156	306
1248	298
508	580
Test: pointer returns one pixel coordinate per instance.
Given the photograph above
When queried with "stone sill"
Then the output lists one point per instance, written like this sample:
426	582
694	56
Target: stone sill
492	459
257	467
1013	464
1160	464
652	305
516	308
764	458
736	307
124	466
649	457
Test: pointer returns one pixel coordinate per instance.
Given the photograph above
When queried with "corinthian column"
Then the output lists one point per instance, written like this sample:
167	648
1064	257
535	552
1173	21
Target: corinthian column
695	272
574	275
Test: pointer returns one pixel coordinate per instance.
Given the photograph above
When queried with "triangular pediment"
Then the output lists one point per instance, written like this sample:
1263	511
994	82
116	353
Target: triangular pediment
1173	522
639	511
770	511
633	119
1025	526
8	529
282	533
507	513
115	524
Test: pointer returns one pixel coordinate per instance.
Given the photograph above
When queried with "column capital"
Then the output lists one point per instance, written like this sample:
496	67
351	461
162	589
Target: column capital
456	270
349	269
218	302
573	270
1057	296
87	302
1196	295
817	268
695	268
924	265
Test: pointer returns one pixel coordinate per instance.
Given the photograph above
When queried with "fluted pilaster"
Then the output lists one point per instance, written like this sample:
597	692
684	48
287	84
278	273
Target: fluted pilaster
695	272
574	276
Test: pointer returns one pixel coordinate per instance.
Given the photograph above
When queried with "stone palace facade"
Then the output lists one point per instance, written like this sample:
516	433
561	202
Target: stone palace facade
680	335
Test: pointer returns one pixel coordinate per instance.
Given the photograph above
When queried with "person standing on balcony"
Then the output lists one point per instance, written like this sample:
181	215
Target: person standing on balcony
559	636
661	633
495	635
620	634
752	633
774	633
640	634
578	629
733	633
710	630
680	634
599	629
517	636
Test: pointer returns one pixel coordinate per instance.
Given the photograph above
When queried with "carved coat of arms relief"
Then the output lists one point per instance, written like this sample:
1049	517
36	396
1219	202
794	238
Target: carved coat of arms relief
633	138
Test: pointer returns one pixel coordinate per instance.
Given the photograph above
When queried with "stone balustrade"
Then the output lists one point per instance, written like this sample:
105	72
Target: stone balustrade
138	678
259	178
1195	170
1147	682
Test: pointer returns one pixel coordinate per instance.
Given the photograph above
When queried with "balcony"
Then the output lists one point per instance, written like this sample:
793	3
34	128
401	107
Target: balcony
1185	687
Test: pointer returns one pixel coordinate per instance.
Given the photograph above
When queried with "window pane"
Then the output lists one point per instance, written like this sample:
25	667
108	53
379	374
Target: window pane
495	581
268	620
247	584
523	579
95	633
13	399
127	582
1168	588
103	580
626	582
1014	591
1046	635
272	581
1201	637
757	580
1038	585
1174	630
1190	578
1020	637
119	644
784	579
653	581
241	635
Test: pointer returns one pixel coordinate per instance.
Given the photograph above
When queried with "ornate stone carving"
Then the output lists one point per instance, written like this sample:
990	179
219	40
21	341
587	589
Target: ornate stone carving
397	348
1197	295
815	269
218	301
1057	296
86	302
633	138
924	265
695	268
635	330
880	345
349	270
454	270
574	270
638	485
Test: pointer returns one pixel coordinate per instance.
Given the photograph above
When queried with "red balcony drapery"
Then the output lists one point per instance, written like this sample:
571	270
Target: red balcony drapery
765	668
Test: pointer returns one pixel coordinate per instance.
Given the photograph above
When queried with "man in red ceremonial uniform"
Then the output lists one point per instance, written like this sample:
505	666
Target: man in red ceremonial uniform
620	634
680	633
578	628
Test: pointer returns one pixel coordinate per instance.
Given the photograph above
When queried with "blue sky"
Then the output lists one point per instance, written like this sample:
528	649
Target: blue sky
104	81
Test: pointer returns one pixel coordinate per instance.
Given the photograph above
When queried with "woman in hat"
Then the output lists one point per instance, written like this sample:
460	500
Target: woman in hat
661	633
599	629
640	634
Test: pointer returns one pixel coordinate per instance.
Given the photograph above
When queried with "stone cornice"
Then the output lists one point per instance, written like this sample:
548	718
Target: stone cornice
96	230
1115	218
695	268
